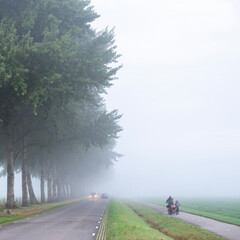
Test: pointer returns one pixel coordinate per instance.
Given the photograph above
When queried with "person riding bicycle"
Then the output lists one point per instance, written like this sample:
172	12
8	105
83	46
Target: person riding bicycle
169	202
177	204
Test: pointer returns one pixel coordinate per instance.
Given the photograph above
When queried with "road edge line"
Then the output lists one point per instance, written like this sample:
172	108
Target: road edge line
101	234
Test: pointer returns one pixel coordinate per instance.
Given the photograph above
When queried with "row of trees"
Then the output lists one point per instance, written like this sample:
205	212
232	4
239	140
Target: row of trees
54	68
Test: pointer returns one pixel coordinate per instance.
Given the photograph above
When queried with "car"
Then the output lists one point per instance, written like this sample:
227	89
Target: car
104	195
93	195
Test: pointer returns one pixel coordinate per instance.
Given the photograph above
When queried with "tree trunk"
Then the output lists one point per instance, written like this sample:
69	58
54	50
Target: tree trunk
42	186
33	199
54	183
64	193
59	189
24	175
10	174
72	189
24	184
54	190
49	183
68	189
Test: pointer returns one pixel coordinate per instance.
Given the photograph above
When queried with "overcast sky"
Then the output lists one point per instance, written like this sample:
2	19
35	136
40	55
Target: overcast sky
178	91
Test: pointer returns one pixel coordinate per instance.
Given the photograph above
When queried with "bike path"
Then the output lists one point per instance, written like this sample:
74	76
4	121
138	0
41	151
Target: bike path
226	230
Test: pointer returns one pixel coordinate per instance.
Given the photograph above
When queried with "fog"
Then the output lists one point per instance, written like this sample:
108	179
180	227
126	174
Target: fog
178	91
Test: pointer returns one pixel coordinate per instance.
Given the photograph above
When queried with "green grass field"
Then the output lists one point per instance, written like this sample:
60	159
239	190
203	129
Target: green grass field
132	221
225	210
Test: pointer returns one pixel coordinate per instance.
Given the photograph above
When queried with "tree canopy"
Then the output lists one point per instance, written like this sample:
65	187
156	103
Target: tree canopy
54	68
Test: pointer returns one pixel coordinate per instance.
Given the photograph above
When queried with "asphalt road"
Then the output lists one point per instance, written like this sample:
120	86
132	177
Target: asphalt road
228	231
76	221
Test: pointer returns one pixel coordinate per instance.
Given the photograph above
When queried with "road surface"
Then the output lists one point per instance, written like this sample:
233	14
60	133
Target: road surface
76	221
225	230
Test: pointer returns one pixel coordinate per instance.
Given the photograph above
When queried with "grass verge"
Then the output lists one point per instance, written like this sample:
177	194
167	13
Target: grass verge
25	212
227	219
170	226
124	224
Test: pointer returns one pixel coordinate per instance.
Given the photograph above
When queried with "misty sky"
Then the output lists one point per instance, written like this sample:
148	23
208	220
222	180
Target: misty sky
178	91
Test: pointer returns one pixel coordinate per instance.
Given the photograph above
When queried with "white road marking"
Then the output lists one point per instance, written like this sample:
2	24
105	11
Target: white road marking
93	234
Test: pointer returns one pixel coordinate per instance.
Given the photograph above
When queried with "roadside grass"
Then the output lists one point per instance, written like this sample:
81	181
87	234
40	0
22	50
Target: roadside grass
2	205
225	210
175	228
235	221
124	224
25	212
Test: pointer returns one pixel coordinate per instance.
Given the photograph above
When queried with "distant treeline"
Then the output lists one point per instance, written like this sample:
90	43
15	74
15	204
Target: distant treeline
54	68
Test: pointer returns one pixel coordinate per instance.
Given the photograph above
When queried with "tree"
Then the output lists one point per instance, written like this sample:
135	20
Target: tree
49	57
